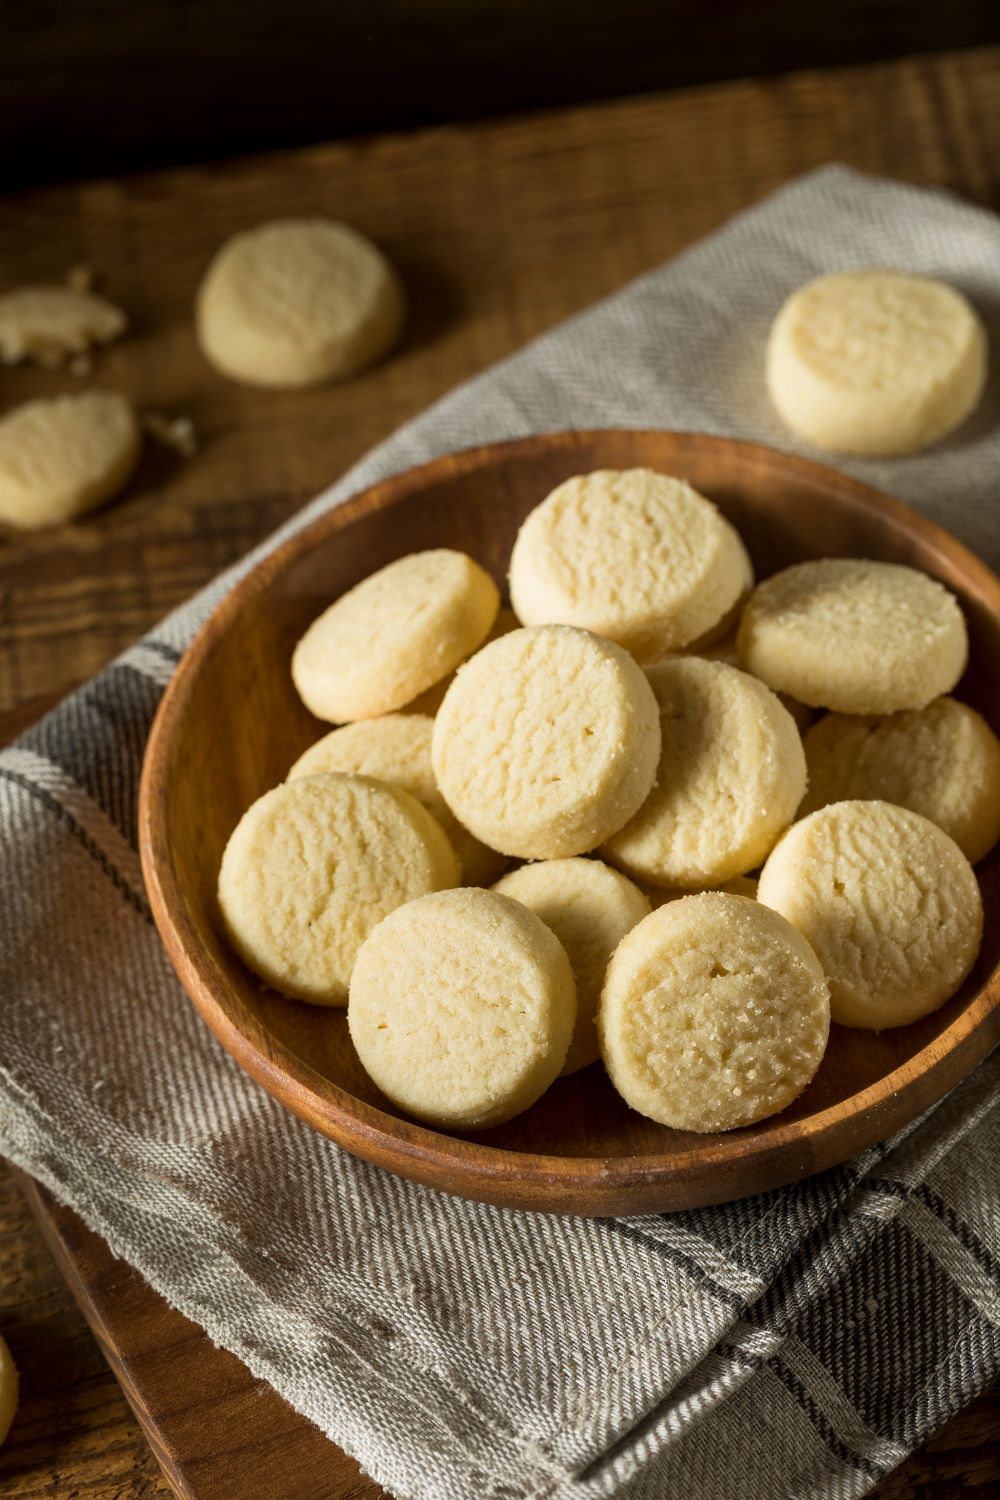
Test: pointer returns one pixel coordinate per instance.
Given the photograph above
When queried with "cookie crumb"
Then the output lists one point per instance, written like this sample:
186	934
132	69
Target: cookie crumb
49	356
53	325
178	433
81	278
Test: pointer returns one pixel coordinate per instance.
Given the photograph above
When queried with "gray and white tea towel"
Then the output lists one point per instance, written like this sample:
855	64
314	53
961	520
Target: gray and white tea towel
798	1344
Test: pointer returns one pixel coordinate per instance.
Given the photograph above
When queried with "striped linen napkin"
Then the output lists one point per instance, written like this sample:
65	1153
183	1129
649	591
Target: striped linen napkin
797	1344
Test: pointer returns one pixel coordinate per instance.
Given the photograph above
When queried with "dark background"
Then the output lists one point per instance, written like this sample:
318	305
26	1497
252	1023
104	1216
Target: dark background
102	87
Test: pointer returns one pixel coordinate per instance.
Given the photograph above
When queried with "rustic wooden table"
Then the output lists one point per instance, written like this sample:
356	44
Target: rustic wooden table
499	229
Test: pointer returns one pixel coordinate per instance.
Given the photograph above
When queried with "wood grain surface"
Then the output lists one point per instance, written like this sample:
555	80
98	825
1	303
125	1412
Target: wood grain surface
500	230
208	81
231	724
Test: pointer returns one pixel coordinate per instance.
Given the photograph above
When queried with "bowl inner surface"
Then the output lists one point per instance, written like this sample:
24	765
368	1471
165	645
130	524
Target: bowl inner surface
240	725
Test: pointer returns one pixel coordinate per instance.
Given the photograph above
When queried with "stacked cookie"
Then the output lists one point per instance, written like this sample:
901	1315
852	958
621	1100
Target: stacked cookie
611	745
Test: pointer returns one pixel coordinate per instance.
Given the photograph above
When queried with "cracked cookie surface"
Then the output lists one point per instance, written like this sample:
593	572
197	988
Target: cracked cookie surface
396	748
942	761
547	742
633	555
888	901
394	635
313	866
715	1013
462	1008
730	777
855	636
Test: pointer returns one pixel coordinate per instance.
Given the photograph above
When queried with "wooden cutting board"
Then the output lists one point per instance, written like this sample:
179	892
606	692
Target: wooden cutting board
500	229
218	1433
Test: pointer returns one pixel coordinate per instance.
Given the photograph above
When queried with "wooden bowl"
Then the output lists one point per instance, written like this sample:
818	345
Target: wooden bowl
231	724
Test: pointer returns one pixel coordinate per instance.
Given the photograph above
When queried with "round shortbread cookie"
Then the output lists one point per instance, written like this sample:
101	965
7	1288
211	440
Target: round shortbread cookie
310	869
731	775
942	761
632	555
50	324
715	1014
876	362
888	901
547	742
430	701
462	1008
8	1390
396	748
393	635
65	455
590	908
853	635
296	302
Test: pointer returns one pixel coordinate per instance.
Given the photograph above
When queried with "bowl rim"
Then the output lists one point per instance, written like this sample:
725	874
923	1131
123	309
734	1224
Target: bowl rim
497	1173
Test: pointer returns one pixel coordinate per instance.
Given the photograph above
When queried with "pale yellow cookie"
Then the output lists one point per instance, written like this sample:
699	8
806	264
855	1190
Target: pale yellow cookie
715	1013
888	901
462	1008
396	748
590	908
547	742
65	455
876	362
51	324
297	302
731	775
393	635
8	1390
942	761
633	555
310	869
853	635
430	701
